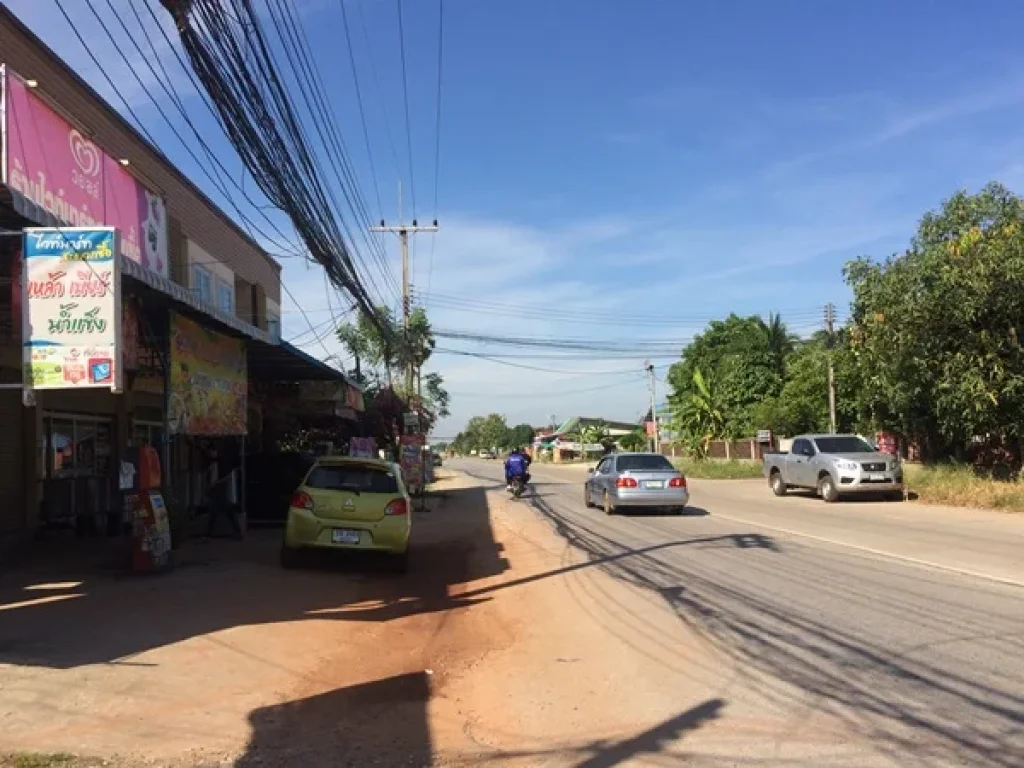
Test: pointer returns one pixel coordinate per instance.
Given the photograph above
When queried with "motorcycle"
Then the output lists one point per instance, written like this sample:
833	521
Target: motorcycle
518	486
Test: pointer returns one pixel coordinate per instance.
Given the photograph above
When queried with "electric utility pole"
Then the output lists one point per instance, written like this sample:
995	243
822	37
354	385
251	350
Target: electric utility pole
403	231
830	329
654	402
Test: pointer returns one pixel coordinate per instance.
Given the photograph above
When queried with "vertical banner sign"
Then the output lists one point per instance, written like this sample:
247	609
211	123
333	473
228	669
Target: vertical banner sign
71	309
208	383
412	461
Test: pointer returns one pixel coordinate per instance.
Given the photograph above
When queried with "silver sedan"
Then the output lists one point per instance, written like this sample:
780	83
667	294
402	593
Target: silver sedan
635	480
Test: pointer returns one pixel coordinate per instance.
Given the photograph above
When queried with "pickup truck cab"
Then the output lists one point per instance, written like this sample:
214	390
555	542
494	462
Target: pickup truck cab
834	466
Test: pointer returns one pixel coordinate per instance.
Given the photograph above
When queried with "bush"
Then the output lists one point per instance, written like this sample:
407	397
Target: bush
958	485
712	469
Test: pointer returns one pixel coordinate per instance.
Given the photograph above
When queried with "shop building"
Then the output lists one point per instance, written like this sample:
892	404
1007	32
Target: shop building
197	305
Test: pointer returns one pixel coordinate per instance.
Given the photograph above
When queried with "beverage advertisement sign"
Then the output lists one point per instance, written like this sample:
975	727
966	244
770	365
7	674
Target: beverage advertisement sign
412	461
208	382
59	168
71	309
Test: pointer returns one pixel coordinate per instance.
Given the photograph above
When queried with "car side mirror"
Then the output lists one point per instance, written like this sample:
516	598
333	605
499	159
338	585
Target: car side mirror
591	471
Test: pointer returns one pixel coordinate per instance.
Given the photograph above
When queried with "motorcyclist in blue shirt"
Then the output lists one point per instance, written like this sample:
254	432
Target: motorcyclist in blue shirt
517	465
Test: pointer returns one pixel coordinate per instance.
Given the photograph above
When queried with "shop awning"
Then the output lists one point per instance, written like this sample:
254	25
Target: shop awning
282	361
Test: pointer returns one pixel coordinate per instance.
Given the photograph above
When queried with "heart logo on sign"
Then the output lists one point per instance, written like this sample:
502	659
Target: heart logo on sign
85	153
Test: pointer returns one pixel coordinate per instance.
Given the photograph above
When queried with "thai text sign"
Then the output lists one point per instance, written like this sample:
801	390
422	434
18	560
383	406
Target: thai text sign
411	459
208	383
55	166
71	309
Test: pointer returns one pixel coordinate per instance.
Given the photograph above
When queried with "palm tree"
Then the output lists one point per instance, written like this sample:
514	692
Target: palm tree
780	341
595	433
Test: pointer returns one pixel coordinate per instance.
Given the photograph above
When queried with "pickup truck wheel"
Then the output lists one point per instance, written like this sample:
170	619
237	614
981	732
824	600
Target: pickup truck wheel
779	488
827	489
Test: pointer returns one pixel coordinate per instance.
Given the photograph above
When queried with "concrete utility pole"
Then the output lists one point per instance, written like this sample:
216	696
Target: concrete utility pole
830	329
403	231
655	438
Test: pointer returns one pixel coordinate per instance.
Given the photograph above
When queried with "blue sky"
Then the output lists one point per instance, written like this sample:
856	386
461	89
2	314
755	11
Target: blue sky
655	158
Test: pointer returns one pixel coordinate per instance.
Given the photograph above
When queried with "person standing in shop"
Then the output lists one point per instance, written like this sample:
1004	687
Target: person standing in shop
222	494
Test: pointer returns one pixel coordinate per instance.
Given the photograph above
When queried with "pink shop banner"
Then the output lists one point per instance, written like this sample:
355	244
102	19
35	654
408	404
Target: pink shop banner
59	168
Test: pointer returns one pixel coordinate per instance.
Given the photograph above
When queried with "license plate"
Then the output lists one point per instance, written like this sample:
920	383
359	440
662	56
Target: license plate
654	484
876	477
344	536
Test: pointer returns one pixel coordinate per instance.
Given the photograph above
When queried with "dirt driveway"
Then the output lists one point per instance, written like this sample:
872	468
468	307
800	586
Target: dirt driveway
230	660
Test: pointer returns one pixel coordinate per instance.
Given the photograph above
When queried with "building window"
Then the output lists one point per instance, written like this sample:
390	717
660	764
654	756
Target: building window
273	325
225	297
202	284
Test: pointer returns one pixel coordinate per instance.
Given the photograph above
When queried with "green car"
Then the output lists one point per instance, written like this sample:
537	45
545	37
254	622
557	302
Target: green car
348	503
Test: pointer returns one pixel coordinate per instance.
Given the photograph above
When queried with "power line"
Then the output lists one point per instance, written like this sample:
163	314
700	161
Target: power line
230	51
437	140
405	92
559	393
359	102
380	91
497	359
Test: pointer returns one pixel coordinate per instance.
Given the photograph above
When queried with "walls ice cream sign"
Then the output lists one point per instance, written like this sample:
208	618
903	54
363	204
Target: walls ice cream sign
71	309
57	167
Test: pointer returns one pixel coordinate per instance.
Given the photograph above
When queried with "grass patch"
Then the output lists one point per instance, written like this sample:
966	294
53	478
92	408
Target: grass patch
41	760
961	486
715	469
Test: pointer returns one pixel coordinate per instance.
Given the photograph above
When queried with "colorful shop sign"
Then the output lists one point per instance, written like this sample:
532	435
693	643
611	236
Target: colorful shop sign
56	166
71	309
411	459
208	386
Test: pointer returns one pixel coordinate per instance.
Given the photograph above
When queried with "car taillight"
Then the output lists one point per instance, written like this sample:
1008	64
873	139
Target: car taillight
302	500
625	482
397	507
677	482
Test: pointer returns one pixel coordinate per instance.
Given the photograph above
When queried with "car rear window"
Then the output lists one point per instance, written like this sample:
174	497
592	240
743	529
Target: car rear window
643	463
326	477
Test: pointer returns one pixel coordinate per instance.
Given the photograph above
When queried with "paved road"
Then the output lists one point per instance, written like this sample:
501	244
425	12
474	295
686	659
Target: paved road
905	665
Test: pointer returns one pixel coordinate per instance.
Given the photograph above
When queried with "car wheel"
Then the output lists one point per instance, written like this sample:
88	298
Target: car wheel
289	557
609	508
894	496
587	501
778	486
827	489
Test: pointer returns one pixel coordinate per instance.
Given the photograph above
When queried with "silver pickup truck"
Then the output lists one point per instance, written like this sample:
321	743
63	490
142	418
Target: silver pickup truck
834	466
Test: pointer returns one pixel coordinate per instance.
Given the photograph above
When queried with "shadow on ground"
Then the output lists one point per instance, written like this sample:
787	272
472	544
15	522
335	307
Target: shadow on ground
383	722
61	614
916	707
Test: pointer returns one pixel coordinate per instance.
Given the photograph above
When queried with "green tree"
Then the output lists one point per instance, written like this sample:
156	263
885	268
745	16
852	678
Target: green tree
935	331
745	357
383	355
521	435
494	432
701	417
634	441
592	434
780	342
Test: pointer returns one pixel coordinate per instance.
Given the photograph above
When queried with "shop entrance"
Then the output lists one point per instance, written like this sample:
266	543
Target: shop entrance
78	464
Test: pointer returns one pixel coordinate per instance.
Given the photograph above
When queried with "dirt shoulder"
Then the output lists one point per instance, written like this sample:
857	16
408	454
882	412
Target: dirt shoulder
230	660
